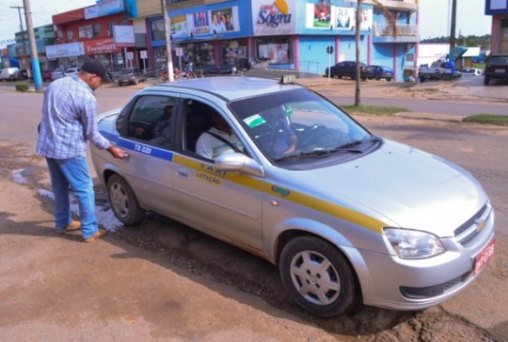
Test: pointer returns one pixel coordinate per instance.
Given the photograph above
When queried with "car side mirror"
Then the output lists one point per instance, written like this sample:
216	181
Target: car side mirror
238	162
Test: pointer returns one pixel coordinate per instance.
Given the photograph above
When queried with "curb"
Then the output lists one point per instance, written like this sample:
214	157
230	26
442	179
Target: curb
429	116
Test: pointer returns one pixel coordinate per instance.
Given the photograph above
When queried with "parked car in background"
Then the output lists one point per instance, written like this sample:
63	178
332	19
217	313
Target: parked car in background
128	76
57	73
348	69
348	217
438	70
10	74
496	68
22	75
154	72
71	71
381	72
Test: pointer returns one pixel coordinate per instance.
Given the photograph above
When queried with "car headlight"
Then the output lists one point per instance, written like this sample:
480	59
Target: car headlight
413	244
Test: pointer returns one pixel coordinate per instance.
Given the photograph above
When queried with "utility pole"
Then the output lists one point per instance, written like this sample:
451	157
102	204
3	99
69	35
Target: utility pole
167	29
357	51
22	30
36	69
453	23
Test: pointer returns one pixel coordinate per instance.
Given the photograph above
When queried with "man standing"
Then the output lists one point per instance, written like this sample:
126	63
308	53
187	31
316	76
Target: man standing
68	122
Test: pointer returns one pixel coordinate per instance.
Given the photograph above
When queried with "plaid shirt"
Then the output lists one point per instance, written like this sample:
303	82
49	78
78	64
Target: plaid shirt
68	120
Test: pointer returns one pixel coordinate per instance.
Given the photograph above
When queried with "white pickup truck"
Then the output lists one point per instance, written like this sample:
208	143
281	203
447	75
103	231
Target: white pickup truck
438	70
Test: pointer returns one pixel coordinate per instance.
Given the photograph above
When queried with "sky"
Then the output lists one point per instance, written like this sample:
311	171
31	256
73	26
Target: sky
434	16
471	18
42	11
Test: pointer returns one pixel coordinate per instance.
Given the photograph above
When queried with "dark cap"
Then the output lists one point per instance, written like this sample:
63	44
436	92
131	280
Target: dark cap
97	68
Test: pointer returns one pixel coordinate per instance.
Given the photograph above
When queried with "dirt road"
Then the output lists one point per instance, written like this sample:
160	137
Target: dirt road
165	282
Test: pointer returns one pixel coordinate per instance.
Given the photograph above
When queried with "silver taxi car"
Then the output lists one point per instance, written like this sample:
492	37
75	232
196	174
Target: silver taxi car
348	217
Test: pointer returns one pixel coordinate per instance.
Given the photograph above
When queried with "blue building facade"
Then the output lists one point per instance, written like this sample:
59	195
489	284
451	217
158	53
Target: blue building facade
289	34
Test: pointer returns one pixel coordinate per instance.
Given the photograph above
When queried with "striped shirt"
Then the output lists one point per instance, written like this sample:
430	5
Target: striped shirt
68	120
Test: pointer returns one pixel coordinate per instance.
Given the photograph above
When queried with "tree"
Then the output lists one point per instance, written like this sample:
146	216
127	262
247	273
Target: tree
358	20
357	51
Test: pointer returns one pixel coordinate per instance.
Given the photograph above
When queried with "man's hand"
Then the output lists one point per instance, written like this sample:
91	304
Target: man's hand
117	153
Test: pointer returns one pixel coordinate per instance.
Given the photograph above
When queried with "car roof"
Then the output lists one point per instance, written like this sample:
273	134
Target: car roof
228	87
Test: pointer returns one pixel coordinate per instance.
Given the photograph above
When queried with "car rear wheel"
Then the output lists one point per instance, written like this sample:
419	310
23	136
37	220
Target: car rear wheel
486	80
317	276
123	202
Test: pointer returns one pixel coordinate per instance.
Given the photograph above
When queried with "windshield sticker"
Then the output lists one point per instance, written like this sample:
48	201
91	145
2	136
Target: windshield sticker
254	120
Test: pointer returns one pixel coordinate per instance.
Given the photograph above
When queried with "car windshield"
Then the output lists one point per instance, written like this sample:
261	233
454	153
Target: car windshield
300	126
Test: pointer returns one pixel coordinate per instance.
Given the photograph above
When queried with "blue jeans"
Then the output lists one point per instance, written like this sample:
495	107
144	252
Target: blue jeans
73	173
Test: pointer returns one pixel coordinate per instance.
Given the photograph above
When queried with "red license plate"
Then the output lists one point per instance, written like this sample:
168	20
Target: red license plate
482	258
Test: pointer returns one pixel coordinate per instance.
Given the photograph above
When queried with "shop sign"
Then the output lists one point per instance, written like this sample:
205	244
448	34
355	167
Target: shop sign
104	8
93	47
124	35
273	17
323	15
64	50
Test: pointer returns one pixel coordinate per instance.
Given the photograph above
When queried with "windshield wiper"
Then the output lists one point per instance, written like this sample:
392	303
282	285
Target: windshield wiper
320	152
349	147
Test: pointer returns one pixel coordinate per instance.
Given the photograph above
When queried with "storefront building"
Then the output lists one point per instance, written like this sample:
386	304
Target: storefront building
103	32
43	36
287	34
498	9
284	34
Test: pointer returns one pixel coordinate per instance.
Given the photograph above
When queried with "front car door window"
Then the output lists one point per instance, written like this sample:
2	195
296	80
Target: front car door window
207	133
151	120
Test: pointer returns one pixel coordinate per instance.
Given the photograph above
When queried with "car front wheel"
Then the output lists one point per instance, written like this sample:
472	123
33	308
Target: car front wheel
123	202
317	276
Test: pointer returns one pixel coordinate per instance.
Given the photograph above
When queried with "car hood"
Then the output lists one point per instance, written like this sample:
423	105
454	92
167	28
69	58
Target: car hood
401	186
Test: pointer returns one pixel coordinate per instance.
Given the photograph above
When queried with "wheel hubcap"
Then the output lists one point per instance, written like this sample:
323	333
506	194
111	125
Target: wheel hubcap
315	278
119	200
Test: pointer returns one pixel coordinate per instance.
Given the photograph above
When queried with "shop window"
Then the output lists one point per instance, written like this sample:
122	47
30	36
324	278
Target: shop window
158	30
97	30
85	31
69	35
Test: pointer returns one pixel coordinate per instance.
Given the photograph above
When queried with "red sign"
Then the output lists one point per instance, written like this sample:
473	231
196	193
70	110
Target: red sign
98	46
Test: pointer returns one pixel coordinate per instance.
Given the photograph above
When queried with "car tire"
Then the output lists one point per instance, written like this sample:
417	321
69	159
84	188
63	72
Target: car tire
486	80
323	291
123	202
389	79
